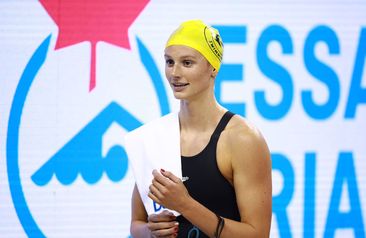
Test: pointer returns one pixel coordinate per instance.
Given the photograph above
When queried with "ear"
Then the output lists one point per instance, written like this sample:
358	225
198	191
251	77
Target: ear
214	73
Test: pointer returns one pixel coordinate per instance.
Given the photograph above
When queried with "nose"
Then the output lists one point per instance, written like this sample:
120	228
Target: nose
175	71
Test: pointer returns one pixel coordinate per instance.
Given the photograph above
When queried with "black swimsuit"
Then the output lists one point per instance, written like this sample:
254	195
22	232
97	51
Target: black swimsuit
207	185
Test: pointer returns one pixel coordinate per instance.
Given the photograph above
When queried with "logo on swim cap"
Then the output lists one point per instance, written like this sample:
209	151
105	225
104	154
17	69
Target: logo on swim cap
214	41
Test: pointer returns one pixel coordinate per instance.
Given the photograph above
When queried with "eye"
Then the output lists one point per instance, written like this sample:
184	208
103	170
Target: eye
187	63
169	62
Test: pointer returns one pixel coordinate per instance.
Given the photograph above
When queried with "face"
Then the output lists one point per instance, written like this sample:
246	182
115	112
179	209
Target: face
188	72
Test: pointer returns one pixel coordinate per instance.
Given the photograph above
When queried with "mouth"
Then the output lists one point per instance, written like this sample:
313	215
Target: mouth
180	85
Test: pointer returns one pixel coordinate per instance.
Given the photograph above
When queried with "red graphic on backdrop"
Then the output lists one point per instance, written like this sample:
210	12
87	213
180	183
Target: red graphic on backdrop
97	20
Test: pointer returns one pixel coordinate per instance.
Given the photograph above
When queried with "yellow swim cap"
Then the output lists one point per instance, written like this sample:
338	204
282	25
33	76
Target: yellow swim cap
201	37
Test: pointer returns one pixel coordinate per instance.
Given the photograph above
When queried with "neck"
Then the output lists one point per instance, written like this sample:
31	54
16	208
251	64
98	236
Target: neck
200	115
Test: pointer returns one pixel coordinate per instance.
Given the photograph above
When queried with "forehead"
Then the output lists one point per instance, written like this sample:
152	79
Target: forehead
182	51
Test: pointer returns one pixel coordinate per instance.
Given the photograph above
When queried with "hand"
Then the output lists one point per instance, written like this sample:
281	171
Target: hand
163	225
168	190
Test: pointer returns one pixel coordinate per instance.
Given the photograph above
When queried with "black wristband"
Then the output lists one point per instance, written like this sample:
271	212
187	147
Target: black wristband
219	227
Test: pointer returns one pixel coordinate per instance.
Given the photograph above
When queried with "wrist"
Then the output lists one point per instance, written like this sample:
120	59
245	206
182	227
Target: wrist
187	206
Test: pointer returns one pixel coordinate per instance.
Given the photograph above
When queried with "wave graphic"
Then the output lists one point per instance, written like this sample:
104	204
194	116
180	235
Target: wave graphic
83	153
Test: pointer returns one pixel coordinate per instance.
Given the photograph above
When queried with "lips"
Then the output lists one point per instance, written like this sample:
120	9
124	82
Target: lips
180	84
179	87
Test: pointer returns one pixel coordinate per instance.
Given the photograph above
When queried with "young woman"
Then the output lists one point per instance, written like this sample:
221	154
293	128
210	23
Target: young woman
227	188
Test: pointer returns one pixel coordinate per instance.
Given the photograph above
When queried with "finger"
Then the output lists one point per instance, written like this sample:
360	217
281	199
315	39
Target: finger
163	236
155	191
164	216
170	176
153	197
160	187
160	178
167	213
167	232
162	225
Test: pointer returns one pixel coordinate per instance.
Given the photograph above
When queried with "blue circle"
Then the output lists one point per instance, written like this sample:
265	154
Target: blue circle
35	63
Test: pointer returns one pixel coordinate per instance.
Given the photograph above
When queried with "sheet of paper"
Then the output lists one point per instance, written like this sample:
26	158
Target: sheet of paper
154	145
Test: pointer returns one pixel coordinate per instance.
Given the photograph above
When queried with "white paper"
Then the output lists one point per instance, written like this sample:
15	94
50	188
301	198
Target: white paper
154	145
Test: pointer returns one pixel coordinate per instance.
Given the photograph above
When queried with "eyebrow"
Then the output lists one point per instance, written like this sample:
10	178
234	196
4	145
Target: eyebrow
181	57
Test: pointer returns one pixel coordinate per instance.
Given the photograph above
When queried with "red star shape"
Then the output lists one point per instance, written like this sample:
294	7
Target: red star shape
93	20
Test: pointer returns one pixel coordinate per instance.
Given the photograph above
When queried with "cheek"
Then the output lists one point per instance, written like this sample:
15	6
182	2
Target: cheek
202	77
167	72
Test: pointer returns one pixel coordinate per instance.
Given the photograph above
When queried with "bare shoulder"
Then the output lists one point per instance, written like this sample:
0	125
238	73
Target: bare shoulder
241	131
245	142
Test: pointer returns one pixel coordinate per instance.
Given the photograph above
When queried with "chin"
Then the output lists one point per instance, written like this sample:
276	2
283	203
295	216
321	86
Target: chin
179	96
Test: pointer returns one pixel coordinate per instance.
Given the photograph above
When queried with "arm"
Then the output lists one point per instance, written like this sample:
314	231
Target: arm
252	177
138	226
251	171
155	225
